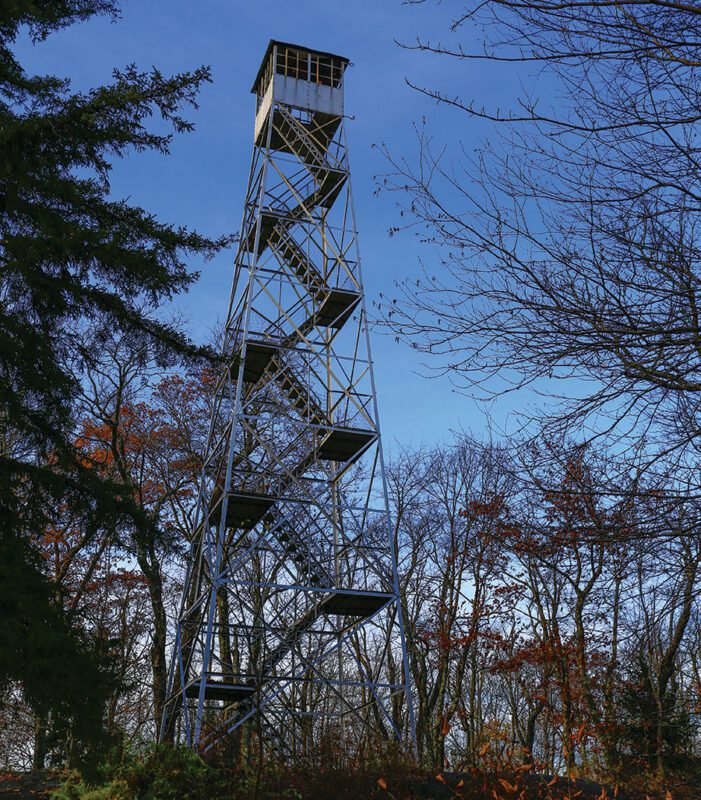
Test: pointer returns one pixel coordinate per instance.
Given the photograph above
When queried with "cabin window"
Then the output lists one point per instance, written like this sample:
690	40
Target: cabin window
312	67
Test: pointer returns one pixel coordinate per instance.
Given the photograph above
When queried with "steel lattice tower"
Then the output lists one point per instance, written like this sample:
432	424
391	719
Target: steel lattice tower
290	623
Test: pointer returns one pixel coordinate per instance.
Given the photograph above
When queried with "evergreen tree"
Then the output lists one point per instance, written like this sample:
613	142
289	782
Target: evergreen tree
75	265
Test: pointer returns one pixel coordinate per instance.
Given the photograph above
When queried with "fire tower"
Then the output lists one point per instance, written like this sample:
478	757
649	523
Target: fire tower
290	625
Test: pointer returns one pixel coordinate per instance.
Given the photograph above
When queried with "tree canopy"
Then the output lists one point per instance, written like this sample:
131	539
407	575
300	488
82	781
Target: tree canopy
76	265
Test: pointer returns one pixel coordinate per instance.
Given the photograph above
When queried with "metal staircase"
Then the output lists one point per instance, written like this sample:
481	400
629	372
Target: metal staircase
293	537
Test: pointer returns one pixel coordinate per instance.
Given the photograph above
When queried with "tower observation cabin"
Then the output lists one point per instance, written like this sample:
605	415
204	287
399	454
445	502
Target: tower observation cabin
304	79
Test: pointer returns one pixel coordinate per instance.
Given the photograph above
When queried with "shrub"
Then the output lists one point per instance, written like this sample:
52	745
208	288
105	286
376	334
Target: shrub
163	773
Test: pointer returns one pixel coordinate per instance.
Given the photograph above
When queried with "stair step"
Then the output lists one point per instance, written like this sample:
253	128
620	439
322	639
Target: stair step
245	510
344	444
354	604
331	181
322	127
257	359
330	184
336	308
220	690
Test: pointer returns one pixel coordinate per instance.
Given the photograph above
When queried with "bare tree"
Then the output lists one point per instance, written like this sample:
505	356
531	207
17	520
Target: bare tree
450	566
549	619
144	429
568	246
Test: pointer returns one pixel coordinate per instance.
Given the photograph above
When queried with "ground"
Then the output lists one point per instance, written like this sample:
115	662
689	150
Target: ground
27	785
35	785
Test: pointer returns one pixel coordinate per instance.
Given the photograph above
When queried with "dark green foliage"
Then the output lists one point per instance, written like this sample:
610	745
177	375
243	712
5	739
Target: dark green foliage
171	774
75	266
164	773
656	731
51	654
167	773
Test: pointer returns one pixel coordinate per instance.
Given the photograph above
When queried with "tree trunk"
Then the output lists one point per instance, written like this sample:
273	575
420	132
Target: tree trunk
40	750
148	562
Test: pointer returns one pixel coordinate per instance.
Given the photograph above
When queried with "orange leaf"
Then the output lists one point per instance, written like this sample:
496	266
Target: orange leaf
446	727
668	795
440	778
552	781
460	784
483	751
507	785
382	783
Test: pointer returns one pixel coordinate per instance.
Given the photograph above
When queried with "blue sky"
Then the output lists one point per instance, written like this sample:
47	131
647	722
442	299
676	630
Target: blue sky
202	184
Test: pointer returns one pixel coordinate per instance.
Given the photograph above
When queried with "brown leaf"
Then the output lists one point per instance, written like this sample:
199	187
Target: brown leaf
483	751
507	785
382	783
